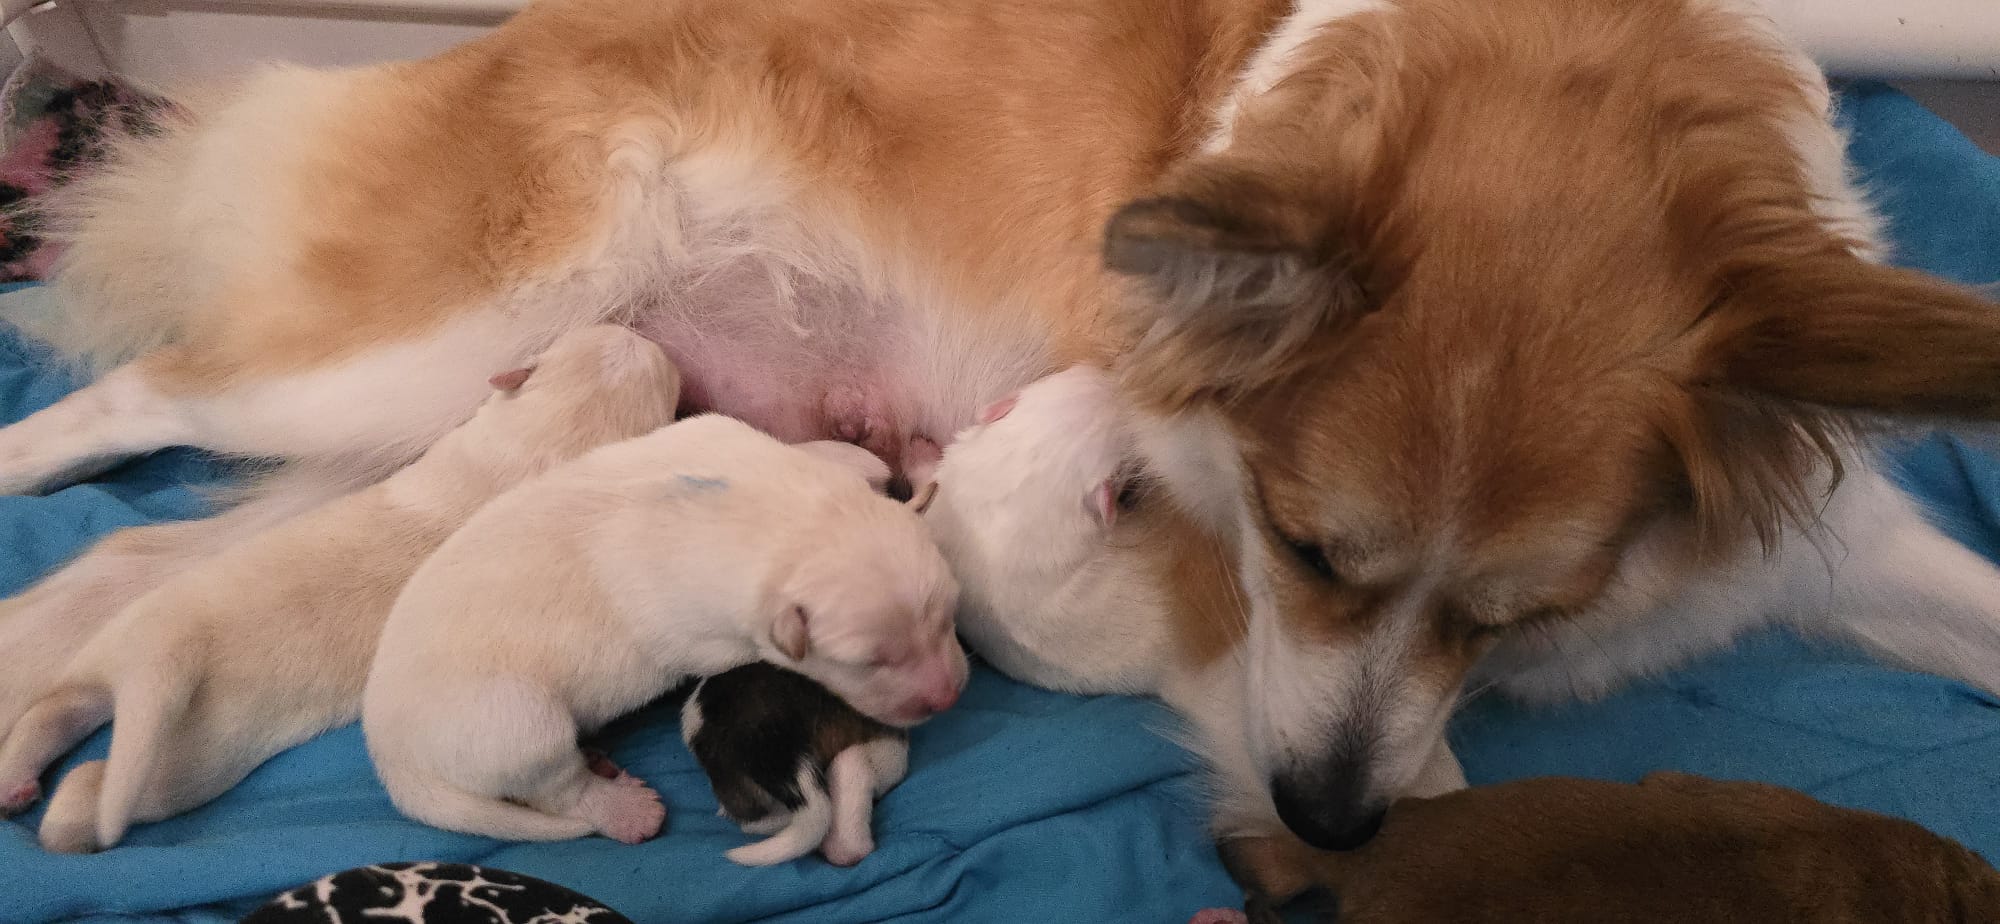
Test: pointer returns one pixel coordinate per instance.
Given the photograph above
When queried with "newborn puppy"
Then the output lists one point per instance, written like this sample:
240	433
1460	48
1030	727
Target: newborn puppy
581	595
1673	848
267	643
1023	505
788	758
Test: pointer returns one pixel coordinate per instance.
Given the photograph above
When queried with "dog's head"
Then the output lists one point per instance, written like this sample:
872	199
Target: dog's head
1472	300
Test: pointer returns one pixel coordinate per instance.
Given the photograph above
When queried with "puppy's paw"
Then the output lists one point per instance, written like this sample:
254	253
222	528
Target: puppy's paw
847	851
16	798
625	810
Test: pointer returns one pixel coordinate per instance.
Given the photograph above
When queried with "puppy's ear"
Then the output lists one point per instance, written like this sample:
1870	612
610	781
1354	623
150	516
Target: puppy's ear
921	500
1103	502
790	633
512	379
1233	277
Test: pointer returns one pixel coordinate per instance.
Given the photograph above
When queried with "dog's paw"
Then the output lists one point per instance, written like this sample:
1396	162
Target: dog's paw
16	798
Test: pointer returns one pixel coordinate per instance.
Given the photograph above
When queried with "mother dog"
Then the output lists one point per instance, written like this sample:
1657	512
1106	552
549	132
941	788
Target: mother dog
1518	336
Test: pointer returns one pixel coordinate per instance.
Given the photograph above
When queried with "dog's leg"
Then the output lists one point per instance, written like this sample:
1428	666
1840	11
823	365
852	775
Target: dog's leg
49	729
376	409
1902	589
44	626
121	415
1876	573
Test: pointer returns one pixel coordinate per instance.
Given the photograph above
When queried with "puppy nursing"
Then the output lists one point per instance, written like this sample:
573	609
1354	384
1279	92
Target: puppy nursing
788	758
268	642
581	595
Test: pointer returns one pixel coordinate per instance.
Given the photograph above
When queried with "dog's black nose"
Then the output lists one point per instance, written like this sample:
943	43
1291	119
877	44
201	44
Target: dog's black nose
1329	817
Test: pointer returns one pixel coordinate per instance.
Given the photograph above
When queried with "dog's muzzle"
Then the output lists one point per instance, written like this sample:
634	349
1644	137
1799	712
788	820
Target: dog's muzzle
1328	805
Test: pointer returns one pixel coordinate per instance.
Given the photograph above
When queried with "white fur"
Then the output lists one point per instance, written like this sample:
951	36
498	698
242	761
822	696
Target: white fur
276	631
801	832
583	594
1277	58
1013	511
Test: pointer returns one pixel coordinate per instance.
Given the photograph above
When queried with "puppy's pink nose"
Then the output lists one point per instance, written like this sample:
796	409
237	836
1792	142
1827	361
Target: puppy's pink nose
939	698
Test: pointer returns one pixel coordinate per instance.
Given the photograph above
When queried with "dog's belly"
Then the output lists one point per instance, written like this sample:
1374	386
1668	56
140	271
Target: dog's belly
807	359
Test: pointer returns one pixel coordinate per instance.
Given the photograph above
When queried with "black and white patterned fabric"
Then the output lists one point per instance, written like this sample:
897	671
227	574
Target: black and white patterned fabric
432	893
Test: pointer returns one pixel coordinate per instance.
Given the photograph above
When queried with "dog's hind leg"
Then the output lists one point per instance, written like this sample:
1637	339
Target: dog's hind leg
376	407
1875	573
121	415
49	729
1902	589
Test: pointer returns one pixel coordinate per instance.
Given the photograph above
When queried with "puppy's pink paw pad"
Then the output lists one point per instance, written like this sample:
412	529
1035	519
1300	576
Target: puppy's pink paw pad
628	813
841	852
15	798
1219	916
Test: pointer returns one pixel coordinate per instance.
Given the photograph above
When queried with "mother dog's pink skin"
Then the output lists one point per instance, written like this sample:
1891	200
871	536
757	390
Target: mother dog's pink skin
1464	335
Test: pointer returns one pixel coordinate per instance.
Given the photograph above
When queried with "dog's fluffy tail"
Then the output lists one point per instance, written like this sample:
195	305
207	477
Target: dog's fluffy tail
436	803
150	698
807	830
128	245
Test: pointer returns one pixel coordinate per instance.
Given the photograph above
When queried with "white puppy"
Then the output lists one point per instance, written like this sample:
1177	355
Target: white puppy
1026	505
268	642
583	594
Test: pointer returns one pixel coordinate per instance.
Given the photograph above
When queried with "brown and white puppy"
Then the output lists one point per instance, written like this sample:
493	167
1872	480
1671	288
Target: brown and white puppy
267	643
585	593
1672	848
789	759
1512	336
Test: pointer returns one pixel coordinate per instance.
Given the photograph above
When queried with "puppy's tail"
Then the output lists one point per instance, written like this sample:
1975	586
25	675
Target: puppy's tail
151	696
806	832
434	802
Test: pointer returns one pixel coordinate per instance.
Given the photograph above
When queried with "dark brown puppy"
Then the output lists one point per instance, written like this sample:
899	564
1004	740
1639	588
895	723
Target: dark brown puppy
1674	848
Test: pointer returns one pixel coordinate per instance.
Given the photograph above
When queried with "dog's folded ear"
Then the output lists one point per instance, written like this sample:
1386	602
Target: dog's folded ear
1804	344
790	634
1233	279
1835	331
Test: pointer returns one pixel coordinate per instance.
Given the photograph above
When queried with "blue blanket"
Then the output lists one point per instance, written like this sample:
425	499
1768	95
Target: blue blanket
1031	806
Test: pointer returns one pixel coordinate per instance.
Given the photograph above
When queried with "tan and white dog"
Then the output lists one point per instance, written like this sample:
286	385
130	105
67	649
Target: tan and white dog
581	595
266	644
1518	336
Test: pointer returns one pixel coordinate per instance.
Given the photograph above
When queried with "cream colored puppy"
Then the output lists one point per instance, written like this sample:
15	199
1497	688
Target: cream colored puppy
583	594
268	643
